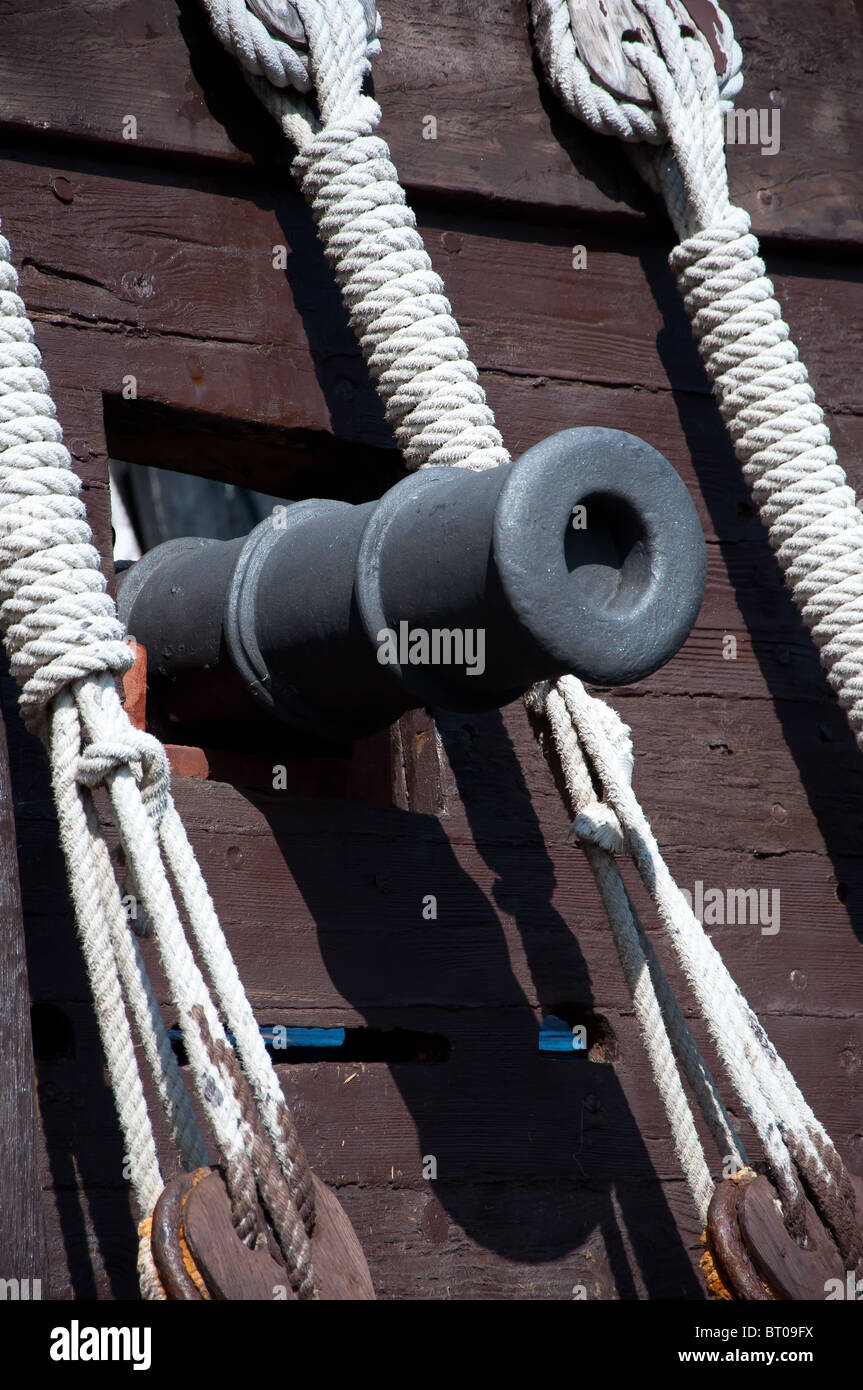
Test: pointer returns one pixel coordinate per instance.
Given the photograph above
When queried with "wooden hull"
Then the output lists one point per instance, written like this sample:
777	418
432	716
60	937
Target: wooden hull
153	258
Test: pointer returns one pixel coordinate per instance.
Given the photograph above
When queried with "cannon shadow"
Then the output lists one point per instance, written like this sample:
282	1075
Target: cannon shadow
533	1150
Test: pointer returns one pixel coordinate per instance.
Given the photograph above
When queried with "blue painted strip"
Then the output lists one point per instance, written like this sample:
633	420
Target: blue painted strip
278	1037
304	1037
555	1035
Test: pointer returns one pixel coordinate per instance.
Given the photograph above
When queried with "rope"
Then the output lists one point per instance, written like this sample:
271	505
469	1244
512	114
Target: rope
663	1028
395	299
66	647
423	372
761	386
784	447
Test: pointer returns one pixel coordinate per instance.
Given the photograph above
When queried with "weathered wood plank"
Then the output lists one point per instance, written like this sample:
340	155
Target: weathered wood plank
514	944
498	133
516	924
745	767
194	261
496	1111
727	747
539	1241
22	1237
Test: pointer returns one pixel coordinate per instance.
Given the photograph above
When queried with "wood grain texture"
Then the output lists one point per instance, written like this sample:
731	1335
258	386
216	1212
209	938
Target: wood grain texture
499	133
793	1273
598	36
22	1238
230	1270
154	259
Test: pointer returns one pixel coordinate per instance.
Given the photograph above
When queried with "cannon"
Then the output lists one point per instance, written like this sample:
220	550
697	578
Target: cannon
457	588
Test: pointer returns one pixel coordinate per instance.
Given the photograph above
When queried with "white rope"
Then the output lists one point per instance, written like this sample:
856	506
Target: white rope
813	522
420	362
770	1095
395	298
66	647
423	371
663	1028
762	387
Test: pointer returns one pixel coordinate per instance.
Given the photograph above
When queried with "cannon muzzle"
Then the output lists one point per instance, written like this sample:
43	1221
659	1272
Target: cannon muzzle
456	588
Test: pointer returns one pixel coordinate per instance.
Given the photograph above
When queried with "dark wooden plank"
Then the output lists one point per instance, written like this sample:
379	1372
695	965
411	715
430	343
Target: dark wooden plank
498	134
745	767
498	1111
542	1240
193	261
537	1241
499	942
22	1239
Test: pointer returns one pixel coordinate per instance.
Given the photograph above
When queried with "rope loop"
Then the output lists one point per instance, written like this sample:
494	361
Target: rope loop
583	94
434	401
595	822
66	647
142	755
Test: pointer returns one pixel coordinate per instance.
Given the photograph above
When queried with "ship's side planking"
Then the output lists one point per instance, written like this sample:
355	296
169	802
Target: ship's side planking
156	258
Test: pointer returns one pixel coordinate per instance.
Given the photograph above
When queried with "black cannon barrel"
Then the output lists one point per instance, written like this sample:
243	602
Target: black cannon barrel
457	588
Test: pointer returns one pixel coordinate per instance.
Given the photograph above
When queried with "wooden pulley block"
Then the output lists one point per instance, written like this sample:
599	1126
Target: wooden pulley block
282	18
753	1254
736	1276
199	1255
599	26
792	1271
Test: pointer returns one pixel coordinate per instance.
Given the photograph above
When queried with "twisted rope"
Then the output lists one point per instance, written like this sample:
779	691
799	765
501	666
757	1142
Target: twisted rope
762	387
814	525
422	369
66	647
432	395
662	1025
395	299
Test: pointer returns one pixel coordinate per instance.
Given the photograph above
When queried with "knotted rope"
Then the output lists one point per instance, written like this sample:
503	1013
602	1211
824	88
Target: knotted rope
422	368
761	386
395	299
781	440
66	647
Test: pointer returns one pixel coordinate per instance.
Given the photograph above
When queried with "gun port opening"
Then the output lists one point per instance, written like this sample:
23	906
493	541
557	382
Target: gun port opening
390	1045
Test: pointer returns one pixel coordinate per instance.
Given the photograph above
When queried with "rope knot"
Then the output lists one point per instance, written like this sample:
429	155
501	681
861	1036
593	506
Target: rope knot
595	822
145	758
303	83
